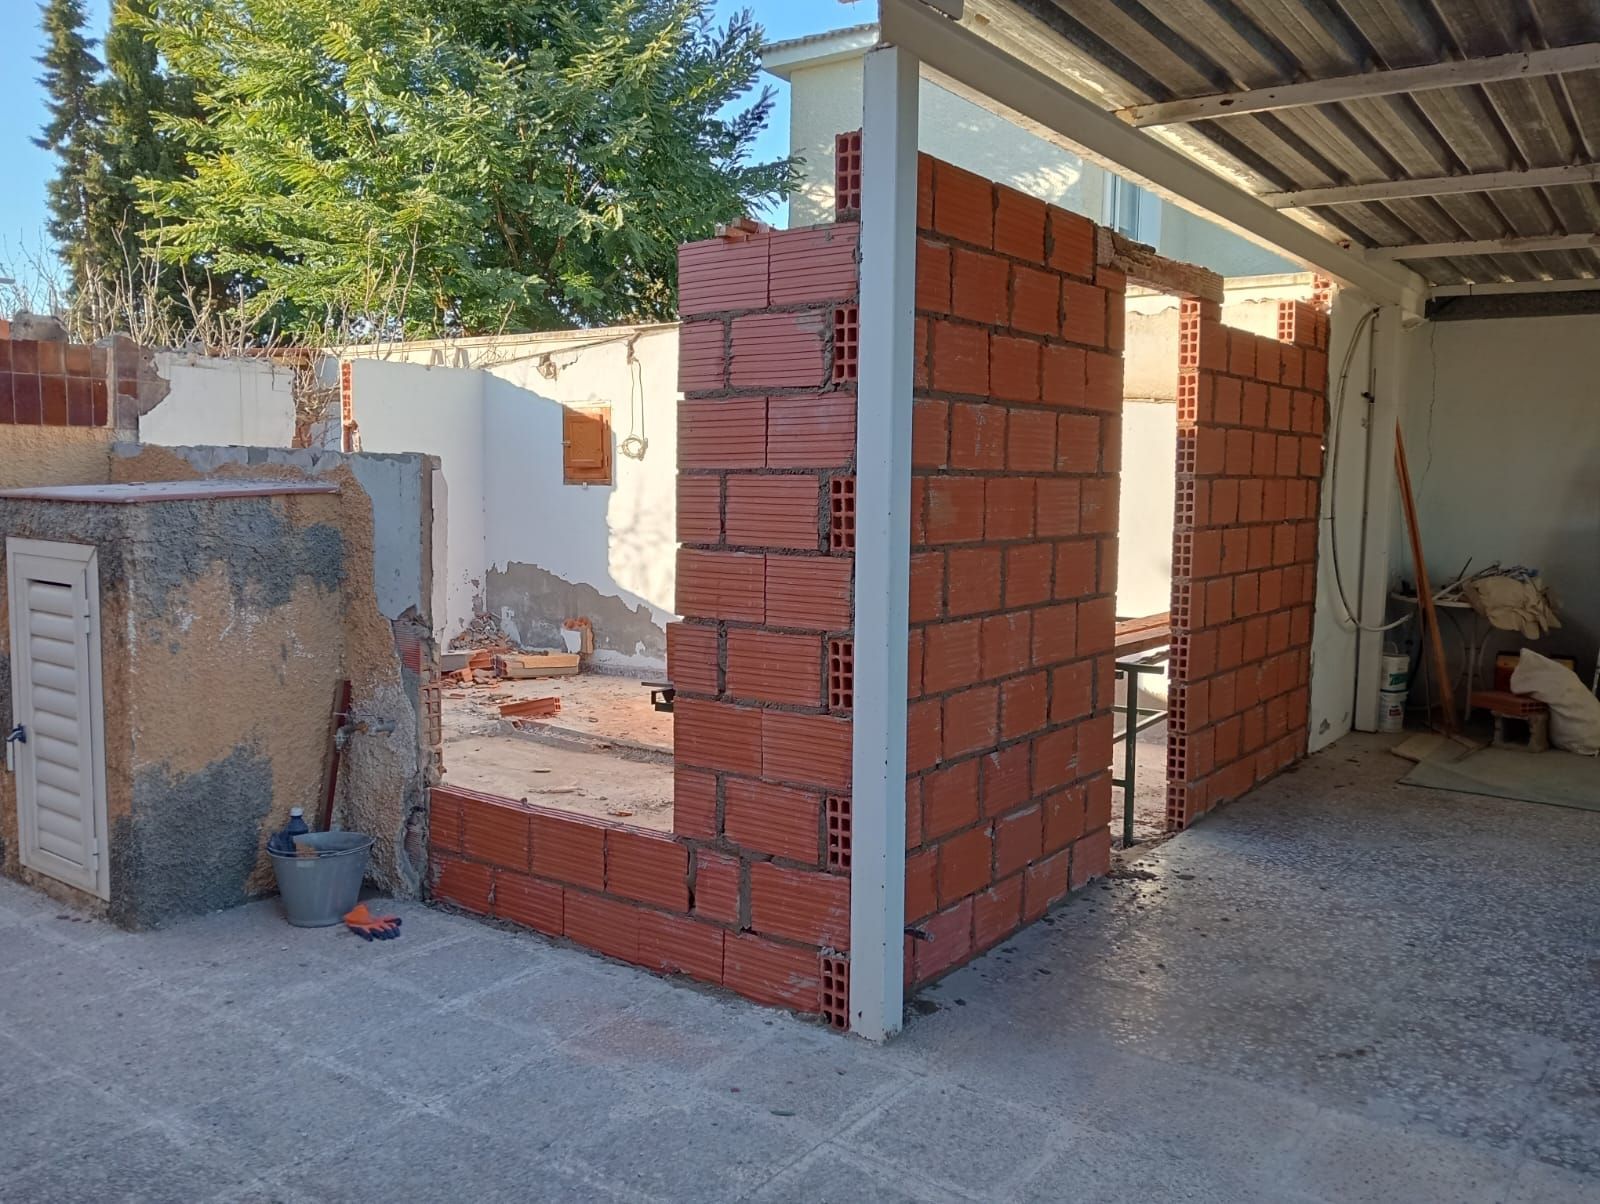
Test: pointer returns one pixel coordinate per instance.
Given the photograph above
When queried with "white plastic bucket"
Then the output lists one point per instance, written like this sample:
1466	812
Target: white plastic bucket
1396	673
1391	710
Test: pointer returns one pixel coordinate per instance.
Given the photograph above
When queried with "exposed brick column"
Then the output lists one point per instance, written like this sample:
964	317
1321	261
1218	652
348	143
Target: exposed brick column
1251	420
1016	453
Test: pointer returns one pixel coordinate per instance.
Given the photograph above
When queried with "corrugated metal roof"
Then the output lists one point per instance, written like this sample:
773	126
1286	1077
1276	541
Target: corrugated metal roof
1123	53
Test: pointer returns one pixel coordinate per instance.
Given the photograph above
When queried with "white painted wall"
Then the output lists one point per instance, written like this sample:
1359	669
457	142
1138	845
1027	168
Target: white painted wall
494	417
1502	430
403	407
221	402
1333	632
1144	545
825	100
620	539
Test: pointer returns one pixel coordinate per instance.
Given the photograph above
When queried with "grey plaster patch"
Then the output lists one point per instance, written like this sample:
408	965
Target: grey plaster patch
264	554
190	844
536	602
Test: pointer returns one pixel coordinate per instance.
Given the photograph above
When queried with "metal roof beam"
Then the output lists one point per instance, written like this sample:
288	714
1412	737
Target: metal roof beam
983	73
1487	246
1526	65
1391	190
1514	287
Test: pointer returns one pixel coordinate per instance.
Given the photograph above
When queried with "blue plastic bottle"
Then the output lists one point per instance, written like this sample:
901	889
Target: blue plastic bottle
283	842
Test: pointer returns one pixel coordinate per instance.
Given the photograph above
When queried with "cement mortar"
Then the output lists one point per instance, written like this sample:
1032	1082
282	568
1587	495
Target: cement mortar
54	455
191	842
533	602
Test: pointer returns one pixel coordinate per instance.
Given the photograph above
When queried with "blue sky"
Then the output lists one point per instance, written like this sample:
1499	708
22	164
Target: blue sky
25	168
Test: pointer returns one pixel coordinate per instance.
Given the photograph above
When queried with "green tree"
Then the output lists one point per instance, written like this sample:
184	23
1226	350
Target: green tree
70	81
135	94
434	166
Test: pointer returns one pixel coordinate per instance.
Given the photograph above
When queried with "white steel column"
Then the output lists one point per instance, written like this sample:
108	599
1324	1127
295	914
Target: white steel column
1388	371
883	541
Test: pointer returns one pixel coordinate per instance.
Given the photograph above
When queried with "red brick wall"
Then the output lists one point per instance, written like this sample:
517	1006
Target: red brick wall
1251	420
54	384
752	888
1016	451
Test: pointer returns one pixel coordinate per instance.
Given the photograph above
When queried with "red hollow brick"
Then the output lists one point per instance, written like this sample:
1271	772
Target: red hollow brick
950	943
1035	301
1072	243
977	436
780	350
963	204
722	432
808	592
767	666
955	509
802	905
772	973
648	867
702	356
950	799
996	913
603	924
934	268
813	263
716	887
495	832
974	581
1083	310
981	288
773	511
810	750
1018	840
463	883
774	819
1043	884
971	720
721	585
1014	369
680	945
714	735
1019	222
530	902
810	432
960	358
965	864
692	657
694	802
569	849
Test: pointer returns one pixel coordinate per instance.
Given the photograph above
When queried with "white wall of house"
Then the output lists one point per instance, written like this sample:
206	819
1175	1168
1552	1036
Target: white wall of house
403	407
559	551
523	545
221	402
1502	430
825	79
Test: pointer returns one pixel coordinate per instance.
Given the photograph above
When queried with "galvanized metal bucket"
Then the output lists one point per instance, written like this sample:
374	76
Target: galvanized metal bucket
317	891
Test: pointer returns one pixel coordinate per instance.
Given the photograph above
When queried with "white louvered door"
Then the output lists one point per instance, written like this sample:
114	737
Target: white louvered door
54	597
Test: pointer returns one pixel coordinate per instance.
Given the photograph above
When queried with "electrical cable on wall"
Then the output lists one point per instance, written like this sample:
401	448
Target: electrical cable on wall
1352	617
636	444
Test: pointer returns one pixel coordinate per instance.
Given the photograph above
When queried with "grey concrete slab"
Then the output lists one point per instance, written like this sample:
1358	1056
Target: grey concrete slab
1336	989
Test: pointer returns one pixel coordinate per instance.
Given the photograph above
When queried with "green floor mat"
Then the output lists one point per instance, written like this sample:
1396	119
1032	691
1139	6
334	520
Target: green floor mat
1559	779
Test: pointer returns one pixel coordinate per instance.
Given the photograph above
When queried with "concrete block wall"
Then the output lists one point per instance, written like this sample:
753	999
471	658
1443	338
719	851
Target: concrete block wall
751	890
1015	460
1252	416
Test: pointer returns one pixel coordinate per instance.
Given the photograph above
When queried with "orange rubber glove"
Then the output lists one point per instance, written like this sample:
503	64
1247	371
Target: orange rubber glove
370	927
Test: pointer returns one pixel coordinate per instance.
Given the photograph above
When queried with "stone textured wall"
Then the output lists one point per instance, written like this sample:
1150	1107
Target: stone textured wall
1015	455
1252	415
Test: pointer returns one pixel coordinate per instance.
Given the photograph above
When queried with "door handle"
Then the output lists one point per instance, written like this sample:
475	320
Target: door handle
18	735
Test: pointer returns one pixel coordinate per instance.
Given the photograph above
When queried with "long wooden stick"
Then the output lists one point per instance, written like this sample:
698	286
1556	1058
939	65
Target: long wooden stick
1430	616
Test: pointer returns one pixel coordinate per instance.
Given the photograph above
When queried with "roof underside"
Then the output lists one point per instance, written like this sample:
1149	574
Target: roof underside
1124	53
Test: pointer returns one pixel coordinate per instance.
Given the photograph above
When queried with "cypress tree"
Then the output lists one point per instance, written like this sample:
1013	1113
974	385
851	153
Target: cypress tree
73	133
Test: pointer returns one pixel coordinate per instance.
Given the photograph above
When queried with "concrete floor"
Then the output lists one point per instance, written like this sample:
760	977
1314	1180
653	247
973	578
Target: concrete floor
1338	989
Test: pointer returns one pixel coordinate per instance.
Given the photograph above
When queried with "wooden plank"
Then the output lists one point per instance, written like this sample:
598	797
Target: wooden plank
1430	616
1144	266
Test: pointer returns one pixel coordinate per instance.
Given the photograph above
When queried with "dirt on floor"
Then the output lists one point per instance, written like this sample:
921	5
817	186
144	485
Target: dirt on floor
607	753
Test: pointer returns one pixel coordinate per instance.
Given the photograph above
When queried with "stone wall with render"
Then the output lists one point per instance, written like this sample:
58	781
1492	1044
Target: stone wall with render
226	628
1015	461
